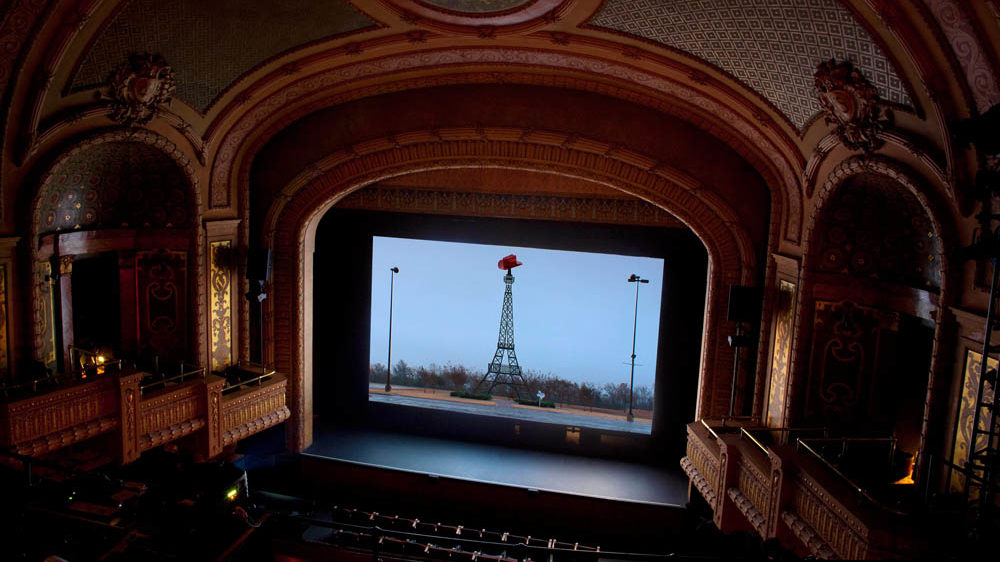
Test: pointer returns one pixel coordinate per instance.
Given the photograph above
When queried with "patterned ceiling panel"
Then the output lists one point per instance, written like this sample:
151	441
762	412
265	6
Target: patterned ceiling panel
114	185
873	227
771	45
211	43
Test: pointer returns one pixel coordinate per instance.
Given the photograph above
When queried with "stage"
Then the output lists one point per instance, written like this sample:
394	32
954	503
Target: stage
534	471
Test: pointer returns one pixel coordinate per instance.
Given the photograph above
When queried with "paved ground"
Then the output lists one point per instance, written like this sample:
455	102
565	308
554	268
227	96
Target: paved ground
504	409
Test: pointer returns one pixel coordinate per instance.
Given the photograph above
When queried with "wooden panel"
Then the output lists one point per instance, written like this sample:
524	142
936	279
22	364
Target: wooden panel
45	316
702	462
65	412
844	533
754	485
221	304
845	356
4	336
161	278
253	409
966	415
777	394
184	406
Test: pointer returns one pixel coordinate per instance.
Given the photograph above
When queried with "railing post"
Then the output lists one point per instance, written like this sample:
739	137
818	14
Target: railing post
213	414
128	386
780	465
728	517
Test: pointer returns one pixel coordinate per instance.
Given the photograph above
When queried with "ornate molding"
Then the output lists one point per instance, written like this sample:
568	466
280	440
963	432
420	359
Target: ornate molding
745	135
544	207
139	87
748	509
305	198
960	31
520	18
851	104
700	482
221	309
816	545
906	177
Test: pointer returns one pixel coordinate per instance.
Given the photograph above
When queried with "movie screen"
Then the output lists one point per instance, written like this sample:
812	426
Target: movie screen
553	339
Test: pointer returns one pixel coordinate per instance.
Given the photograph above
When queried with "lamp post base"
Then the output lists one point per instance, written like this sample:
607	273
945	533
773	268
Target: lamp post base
629	417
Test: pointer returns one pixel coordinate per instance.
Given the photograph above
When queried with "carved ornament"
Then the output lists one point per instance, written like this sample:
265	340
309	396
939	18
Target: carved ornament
851	104
139	87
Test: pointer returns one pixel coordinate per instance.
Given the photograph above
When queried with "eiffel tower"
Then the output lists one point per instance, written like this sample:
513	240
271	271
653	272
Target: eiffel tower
498	373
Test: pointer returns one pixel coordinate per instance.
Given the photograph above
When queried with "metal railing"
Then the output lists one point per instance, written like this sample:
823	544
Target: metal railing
749	433
259	379
163	381
802	445
31	385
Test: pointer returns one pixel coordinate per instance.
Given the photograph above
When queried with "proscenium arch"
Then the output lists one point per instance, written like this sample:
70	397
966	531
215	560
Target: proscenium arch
243	128
197	243
933	201
292	219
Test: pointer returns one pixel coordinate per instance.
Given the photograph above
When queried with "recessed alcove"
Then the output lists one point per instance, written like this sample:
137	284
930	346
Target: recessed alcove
115	261
877	262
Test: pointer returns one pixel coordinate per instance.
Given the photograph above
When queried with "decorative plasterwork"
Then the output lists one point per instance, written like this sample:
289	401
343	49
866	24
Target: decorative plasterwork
220	280
771	45
116	185
760	149
15	27
577	209
951	15
874	227
486	19
211	44
851	104
139	87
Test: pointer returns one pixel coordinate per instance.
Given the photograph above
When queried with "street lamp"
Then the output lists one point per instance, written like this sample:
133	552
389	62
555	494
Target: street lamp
388	376
631	379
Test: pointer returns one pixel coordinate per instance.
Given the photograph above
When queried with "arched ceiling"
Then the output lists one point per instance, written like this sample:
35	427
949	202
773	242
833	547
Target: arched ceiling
773	46
211	43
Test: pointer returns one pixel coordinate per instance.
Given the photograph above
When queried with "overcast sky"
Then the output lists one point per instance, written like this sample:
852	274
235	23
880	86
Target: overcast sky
573	311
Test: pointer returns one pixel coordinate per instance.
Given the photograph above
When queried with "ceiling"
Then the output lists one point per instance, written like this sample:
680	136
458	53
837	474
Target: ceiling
773	46
211	43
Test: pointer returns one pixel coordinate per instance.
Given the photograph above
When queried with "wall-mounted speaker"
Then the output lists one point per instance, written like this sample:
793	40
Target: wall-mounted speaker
259	264
744	304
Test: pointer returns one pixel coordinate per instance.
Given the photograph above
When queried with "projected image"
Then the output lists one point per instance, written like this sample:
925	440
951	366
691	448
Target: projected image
512	327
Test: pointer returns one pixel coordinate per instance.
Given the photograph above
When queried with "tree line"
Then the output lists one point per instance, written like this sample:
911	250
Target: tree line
557	389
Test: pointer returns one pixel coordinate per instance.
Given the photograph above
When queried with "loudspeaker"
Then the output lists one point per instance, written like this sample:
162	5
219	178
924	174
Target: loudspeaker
259	264
744	303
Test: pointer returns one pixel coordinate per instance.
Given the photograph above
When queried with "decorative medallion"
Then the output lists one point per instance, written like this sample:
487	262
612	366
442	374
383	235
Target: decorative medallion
851	104
139	87
477	6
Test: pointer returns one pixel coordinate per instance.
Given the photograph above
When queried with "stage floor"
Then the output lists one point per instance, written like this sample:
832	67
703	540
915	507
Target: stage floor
491	464
505	411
